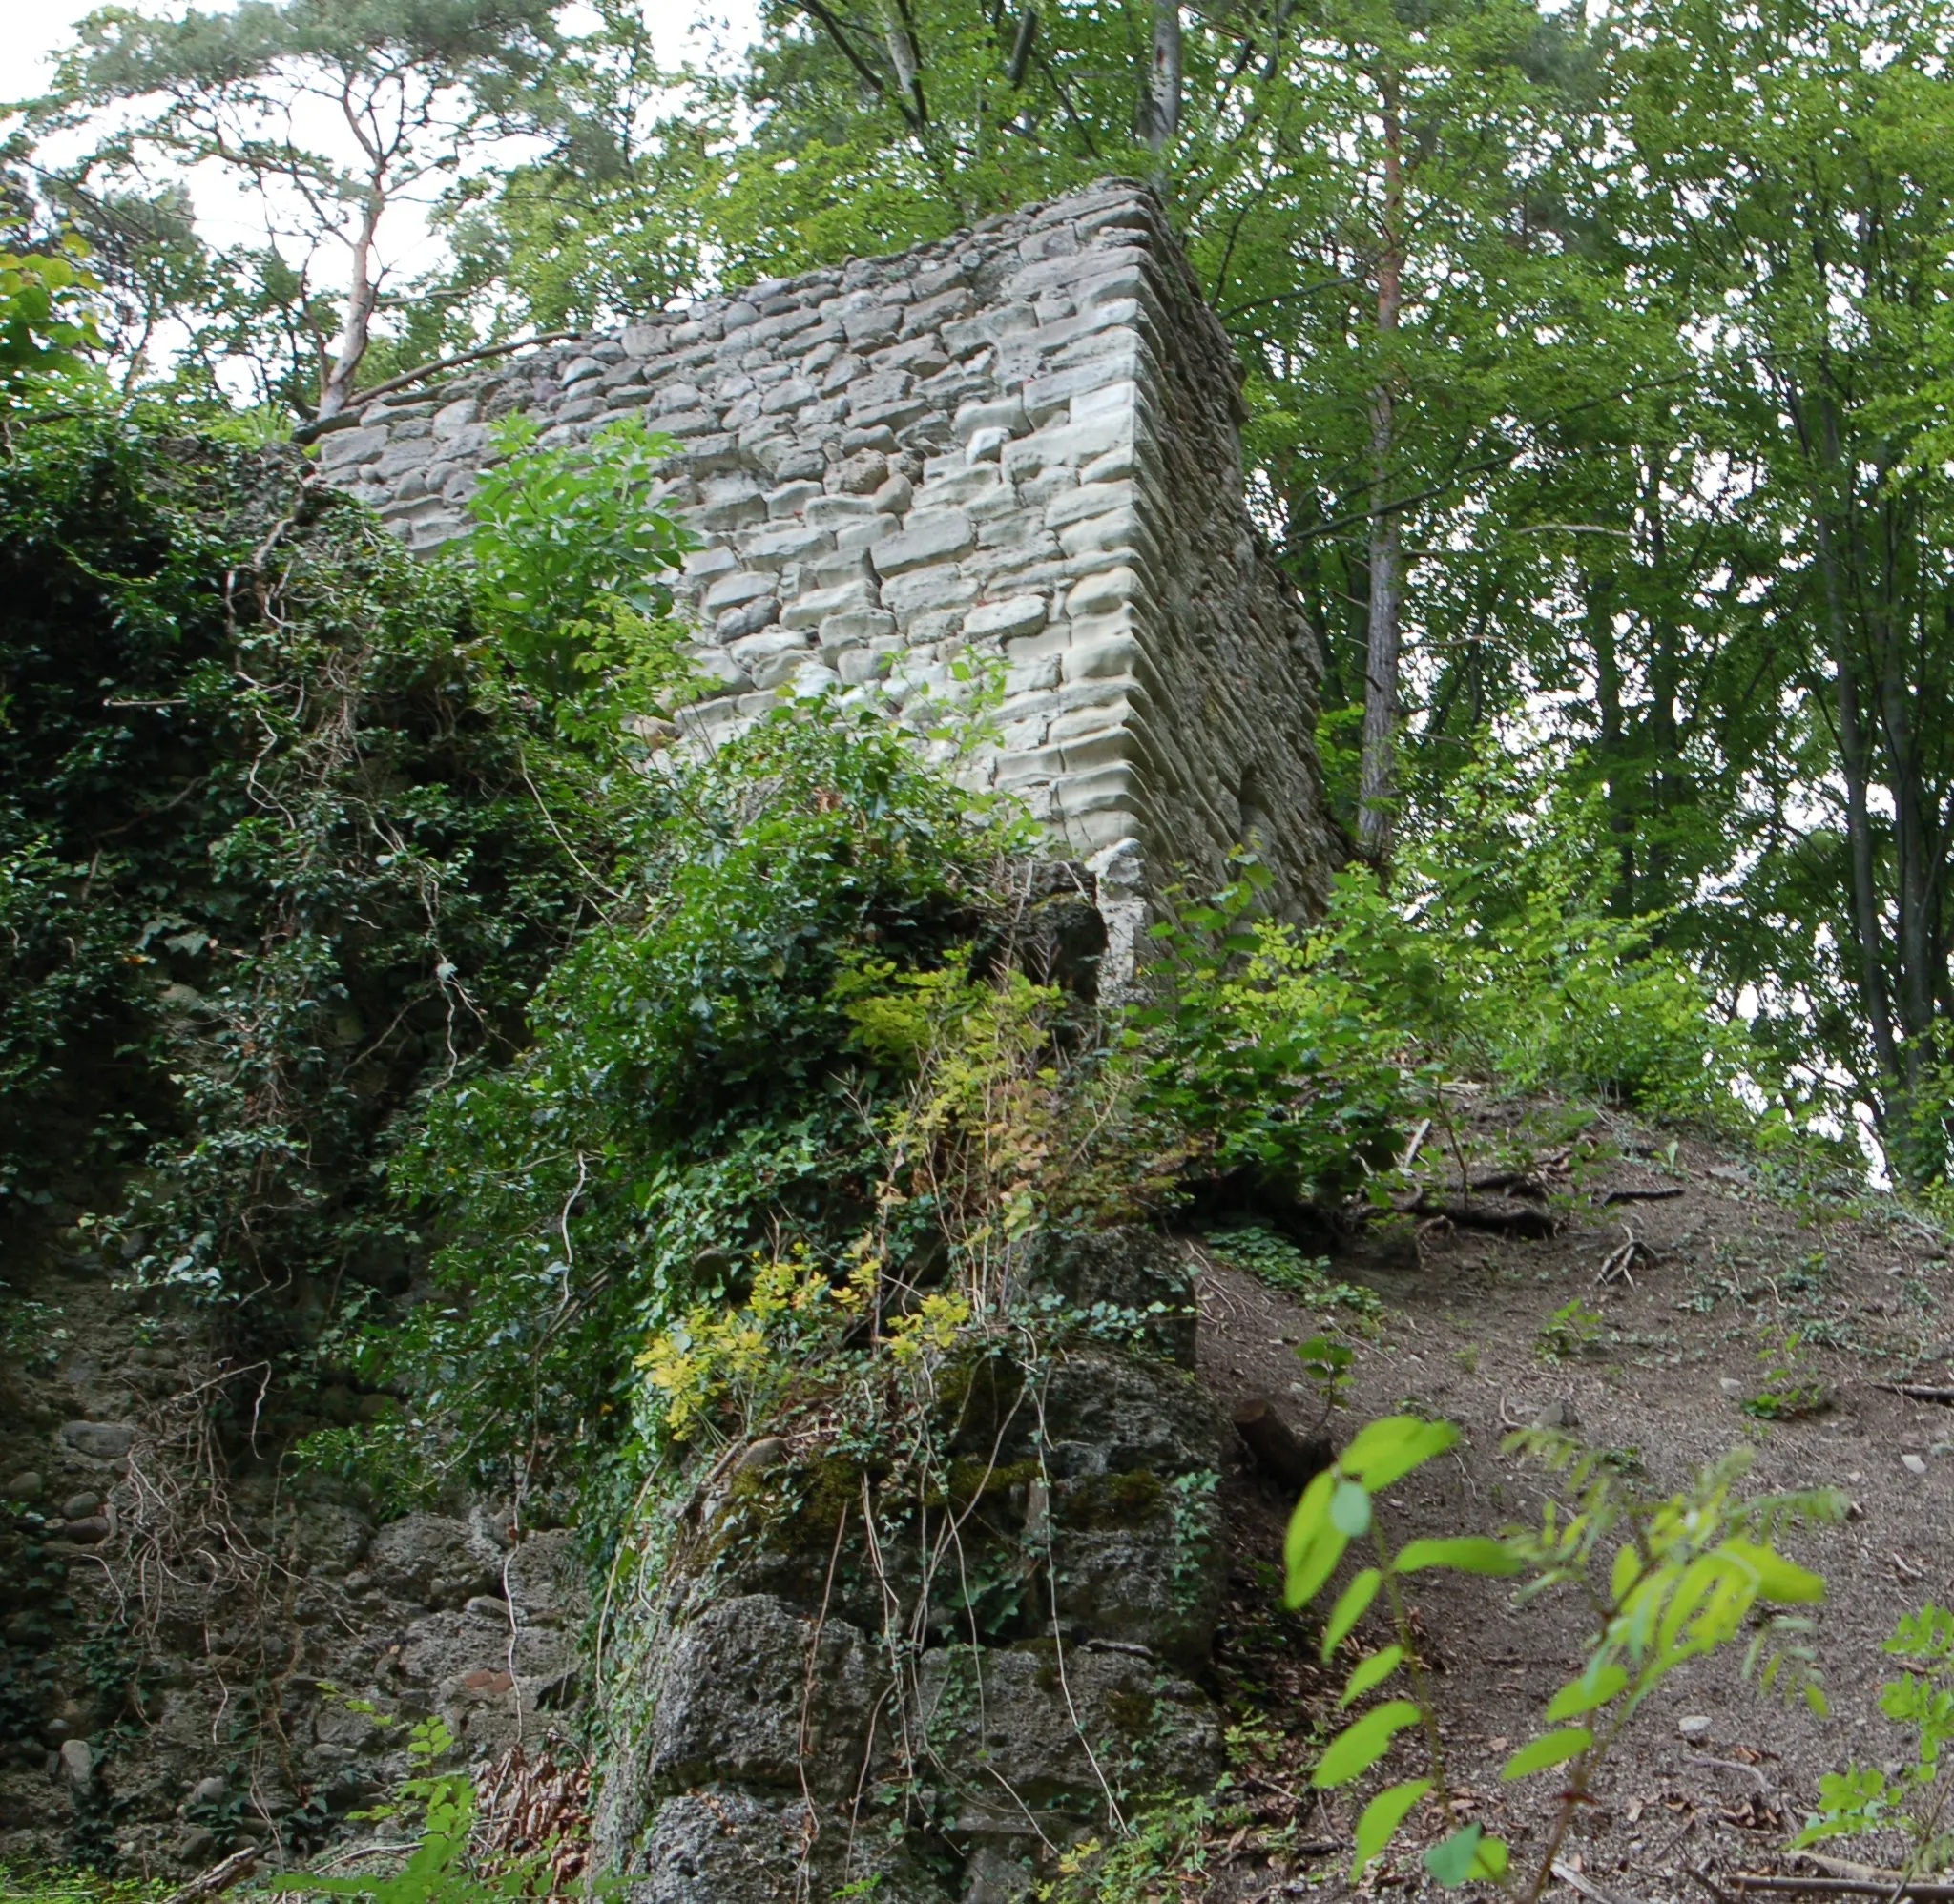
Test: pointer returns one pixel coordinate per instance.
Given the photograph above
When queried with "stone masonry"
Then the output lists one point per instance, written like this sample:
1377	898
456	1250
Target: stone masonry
1019	441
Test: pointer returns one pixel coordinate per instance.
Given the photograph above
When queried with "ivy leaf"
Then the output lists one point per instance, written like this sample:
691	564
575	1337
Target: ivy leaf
1359	1745
1382	1817
1556	1747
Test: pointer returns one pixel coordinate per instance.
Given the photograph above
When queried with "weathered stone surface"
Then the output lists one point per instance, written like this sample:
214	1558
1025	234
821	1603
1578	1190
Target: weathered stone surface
430	1558
1042	409
1050	1726
100	1440
724	1845
750	1690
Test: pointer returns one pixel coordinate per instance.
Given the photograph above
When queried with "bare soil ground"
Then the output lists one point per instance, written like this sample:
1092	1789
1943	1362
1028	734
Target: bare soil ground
1654	1367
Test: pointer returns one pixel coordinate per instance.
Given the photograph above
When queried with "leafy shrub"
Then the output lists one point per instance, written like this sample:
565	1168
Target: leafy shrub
697	1086
1669	1581
46	320
567	561
1910	1795
1529	978
272	856
1269	1046
1281	1265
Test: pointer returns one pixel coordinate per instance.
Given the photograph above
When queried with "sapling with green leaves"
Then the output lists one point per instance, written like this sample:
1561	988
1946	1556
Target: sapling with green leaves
440	1867
1912	1799
1668	1582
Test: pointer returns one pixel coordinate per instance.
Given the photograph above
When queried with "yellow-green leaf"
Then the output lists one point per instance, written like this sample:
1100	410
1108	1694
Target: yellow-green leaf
1352	1604
1557	1748
1596	1687
1472	1553
1373	1670
1312	1547
1361	1744
1777	1578
1382	1817
1628	1569
1388	1450
1468	1854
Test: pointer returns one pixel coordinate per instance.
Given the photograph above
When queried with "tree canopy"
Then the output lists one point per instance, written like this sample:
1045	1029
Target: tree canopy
1598	368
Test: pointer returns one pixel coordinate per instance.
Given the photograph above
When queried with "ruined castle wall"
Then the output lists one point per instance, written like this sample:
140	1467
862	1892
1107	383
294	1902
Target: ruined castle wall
1019	441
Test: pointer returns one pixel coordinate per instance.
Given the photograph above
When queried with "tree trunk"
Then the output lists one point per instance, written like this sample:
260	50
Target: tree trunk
1384	633
1611	740
363	295
1159	114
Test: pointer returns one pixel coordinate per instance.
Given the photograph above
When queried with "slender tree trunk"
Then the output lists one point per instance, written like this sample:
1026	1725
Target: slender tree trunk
335	389
899	37
1612	736
1665	674
1384	630
1159	114
1867	926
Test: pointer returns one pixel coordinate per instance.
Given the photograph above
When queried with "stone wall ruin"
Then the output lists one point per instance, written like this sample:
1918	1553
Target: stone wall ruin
1020	441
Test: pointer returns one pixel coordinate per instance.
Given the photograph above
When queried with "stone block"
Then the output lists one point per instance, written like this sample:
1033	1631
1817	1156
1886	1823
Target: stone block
345	449
1005	413
1116	529
975	488
830	513
811	609
922	591
1082	500
398	458
1020	615
741	585
856	628
754	651
1100	593
925	540
789	542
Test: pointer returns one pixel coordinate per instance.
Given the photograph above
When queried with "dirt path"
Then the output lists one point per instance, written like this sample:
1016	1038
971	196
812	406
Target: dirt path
1489	1330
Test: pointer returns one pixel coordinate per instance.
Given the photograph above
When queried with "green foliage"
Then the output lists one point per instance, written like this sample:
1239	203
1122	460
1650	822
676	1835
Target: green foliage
271	862
424	90
1686	1575
77	1883
1911	1797
567	559
1544	984
442	1867
47	319
1572	1332
1789	1389
1271	1046
696	1085
1281	1265
1168	1842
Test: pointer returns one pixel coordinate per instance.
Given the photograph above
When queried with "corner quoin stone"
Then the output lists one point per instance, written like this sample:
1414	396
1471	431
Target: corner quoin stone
1019	441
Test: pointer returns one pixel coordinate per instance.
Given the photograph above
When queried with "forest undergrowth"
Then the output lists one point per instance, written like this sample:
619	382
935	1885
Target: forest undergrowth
521	1105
